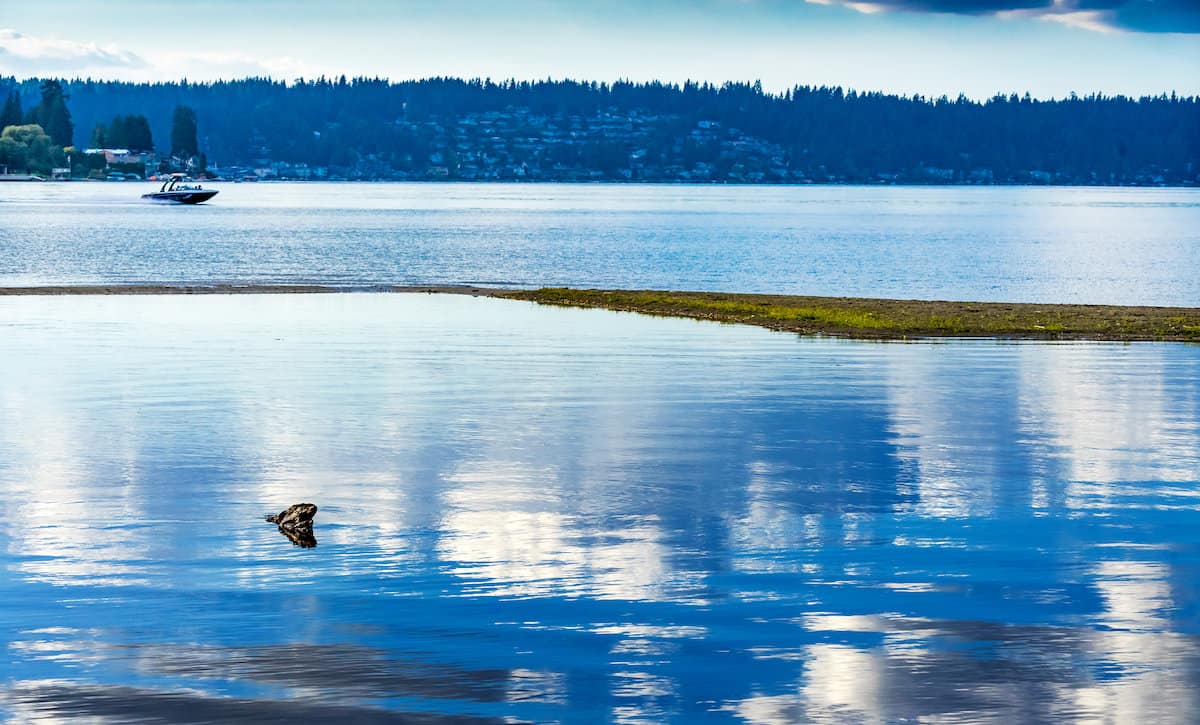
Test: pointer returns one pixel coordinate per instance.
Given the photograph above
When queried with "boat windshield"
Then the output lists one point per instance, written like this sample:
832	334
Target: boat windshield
178	184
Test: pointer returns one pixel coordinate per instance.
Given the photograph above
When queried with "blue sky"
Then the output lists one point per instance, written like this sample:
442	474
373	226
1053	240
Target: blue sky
978	47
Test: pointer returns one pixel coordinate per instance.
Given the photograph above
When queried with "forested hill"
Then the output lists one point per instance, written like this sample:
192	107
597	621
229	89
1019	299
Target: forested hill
565	130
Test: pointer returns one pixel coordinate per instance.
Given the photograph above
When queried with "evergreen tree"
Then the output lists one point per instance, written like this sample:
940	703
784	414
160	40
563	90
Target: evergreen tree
11	115
129	132
117	137
100	136
183	133
138	136
52	114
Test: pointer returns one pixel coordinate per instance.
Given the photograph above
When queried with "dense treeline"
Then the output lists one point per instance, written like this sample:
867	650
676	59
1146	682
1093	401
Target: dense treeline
806	133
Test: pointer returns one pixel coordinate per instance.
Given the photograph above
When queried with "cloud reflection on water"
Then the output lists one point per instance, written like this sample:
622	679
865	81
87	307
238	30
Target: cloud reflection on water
609	515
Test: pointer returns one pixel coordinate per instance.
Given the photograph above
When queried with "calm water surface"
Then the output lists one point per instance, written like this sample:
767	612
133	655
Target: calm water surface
563	515
1090	245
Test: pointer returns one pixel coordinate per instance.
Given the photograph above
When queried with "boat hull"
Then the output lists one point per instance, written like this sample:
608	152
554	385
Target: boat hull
181	197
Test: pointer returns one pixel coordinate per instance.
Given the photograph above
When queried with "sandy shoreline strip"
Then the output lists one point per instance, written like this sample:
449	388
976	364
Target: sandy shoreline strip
850	317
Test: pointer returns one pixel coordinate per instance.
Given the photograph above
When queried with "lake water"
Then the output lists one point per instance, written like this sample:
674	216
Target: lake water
1084	245
566	515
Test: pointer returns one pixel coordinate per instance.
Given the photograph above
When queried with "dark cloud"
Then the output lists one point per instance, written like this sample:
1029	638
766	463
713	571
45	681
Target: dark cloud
1153	16
1147	16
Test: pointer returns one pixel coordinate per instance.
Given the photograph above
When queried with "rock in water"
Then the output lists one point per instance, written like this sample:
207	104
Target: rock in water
297	516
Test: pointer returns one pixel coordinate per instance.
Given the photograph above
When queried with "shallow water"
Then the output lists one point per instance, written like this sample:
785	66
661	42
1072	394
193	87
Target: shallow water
1014	244
549	514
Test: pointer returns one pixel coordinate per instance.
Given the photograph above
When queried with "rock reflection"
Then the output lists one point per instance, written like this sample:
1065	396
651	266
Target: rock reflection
300	536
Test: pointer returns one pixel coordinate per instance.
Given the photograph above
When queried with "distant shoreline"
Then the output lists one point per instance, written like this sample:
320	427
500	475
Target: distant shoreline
651	182
848	317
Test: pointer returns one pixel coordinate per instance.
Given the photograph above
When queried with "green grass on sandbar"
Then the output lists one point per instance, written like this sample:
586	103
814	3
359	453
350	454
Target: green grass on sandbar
874	318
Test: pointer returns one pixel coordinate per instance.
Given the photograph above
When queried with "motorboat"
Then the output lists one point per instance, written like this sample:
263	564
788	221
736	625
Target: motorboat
176	189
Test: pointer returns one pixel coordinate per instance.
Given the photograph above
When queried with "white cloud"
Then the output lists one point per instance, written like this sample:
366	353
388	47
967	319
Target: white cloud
24	56
28	55
1094	20
212	65
1066	13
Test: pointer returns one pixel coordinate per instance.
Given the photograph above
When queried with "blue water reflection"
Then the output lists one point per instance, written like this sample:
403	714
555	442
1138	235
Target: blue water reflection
547	514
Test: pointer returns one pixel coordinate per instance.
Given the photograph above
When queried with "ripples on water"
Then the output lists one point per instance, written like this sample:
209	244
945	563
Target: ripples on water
548	514
1014	244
